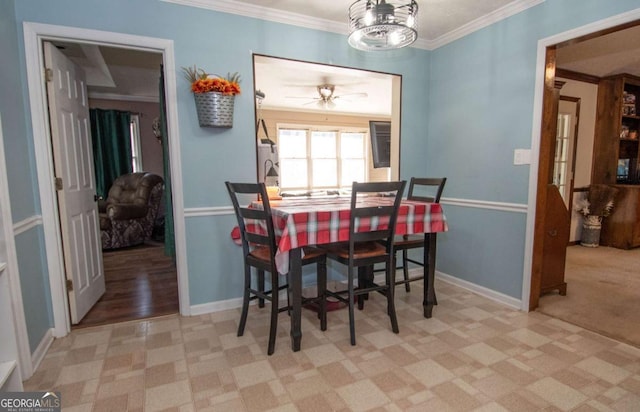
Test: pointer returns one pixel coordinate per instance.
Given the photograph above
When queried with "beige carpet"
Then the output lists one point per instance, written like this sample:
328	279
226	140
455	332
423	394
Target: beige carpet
603	292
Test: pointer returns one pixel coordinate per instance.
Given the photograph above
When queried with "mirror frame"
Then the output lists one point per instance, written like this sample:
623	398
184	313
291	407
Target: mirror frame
395	118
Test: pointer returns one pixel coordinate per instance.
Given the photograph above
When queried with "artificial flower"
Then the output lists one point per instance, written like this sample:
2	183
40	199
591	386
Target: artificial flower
202	82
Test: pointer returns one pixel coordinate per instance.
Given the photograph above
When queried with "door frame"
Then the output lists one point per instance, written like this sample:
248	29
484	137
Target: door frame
34	35
539	172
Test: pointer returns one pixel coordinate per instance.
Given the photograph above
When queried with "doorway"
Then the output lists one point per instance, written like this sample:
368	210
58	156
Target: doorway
35	35
544	166
140	279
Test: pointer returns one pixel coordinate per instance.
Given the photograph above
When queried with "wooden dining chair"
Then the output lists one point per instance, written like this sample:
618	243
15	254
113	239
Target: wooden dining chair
424	190
364	248
259	250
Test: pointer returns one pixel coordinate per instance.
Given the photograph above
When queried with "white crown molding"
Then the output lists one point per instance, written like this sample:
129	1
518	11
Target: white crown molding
266	13
295	19
124	97
482	22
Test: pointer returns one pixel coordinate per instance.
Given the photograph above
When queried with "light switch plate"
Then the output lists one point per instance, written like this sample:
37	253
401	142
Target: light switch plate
522	157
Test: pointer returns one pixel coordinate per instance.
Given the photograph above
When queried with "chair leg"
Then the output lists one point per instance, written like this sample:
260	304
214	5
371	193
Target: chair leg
261	287
275	309
322	294
391	284
245	300
405	270
352	319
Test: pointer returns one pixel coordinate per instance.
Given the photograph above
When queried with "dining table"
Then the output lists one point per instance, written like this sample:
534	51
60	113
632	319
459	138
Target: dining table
310	221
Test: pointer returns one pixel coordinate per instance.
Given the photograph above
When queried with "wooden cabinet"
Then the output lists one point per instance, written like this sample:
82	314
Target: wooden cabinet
615	157
622	228
617	128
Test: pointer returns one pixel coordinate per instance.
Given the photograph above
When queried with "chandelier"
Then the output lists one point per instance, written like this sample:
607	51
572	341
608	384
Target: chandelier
382	25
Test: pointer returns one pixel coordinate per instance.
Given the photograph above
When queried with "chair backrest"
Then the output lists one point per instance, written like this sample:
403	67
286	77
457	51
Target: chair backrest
374	203
253	222
419	186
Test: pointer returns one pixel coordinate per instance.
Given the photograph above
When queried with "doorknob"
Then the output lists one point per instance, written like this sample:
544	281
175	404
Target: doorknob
96	198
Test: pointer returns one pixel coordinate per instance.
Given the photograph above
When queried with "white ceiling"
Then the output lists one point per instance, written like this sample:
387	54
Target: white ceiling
292	85
439	21
606	55
116	73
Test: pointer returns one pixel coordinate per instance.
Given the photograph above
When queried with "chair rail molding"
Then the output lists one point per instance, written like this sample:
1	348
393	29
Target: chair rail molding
27	224
479	204
208	211
486	204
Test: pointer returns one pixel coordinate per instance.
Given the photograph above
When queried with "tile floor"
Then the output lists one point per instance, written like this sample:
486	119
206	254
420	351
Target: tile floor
473	355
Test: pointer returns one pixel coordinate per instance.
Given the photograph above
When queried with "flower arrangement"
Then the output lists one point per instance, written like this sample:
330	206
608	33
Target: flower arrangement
598	205
202	82
583	207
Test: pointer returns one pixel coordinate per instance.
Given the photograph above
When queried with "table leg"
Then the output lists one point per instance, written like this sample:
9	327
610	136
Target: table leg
295	297
365	280
429	277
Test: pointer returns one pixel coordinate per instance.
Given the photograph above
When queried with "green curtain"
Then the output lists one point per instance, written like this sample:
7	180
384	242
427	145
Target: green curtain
111	139
169	236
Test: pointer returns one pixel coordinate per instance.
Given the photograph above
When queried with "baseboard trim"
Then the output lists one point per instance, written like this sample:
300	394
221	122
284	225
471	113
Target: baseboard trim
211	307
235	303
480	290
38	355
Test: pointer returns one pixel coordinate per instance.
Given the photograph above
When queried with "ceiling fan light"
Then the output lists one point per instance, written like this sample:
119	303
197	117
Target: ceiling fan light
326	91
368	17
411	21
355	36
395	38
382	25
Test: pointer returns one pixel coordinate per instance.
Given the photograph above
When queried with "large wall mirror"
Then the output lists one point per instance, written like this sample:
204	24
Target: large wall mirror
320	127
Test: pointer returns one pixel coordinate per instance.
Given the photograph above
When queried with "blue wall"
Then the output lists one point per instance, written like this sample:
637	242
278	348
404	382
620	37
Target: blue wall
22	179
220	43
481	92
466	107
34	279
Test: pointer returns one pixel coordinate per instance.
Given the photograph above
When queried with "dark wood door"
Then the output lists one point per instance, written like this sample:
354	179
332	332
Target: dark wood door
548	254
556	238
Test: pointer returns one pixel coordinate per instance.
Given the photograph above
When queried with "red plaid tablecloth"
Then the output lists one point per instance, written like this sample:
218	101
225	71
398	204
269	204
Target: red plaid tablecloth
314	221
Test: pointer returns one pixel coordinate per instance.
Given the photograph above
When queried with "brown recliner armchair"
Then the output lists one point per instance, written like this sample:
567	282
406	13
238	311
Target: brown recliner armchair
128	215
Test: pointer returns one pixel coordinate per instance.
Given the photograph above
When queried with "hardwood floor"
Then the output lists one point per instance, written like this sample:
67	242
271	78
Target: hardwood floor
141	282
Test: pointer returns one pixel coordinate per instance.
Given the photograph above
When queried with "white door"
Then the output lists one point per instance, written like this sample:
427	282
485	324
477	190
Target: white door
564	165
73	164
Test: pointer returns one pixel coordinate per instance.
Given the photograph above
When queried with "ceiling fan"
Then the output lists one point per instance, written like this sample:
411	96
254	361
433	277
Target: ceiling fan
326	96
